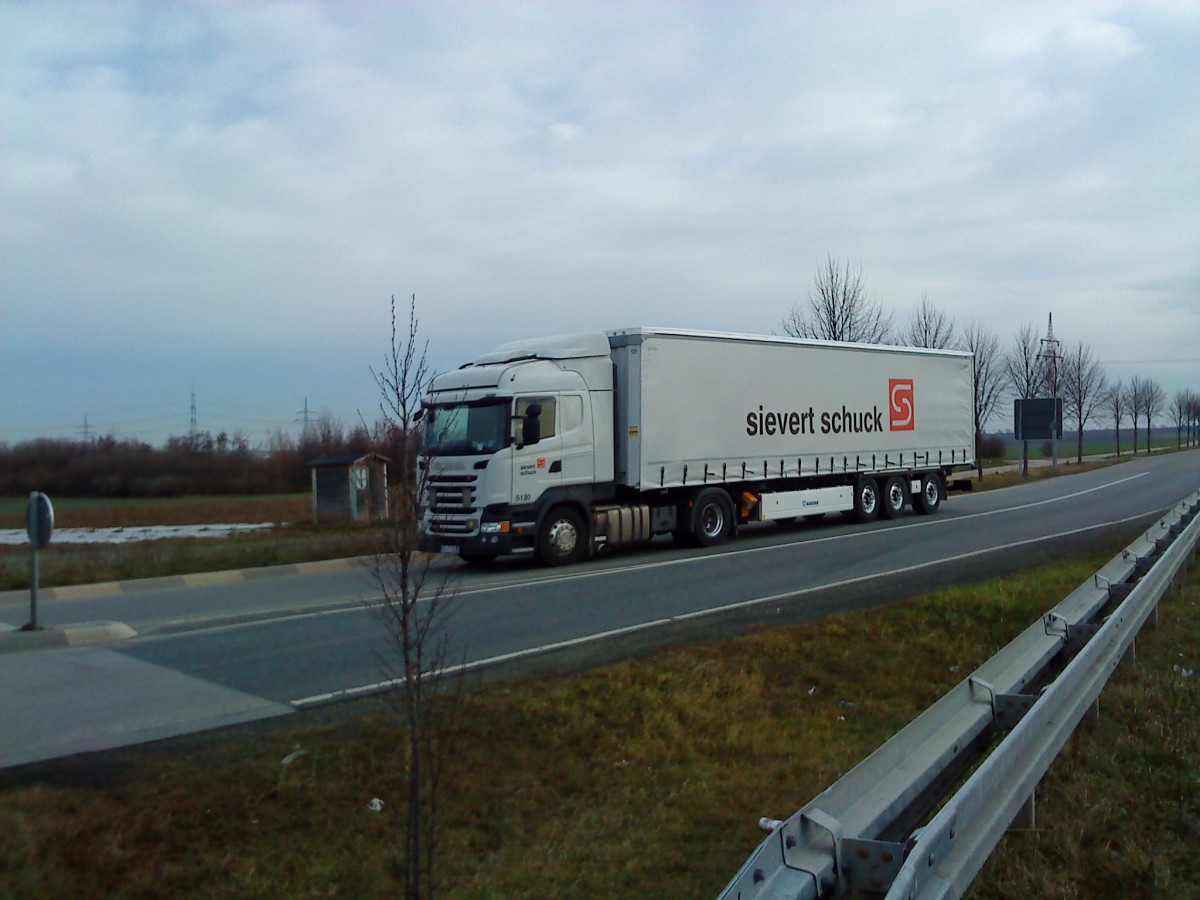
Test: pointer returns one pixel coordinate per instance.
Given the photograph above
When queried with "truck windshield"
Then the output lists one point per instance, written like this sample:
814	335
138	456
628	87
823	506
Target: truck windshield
467	429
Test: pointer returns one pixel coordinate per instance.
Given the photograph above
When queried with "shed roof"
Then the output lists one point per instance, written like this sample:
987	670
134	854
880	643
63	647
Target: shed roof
337	460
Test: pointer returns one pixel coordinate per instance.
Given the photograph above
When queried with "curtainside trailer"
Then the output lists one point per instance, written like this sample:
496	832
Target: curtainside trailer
572	445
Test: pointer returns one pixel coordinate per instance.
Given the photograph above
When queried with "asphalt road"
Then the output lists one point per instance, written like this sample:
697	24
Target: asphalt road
264	646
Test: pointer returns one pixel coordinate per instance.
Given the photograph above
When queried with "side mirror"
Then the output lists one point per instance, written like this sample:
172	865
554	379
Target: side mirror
531	425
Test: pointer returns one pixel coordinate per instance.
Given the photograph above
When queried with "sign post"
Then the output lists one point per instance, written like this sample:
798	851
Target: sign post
39	524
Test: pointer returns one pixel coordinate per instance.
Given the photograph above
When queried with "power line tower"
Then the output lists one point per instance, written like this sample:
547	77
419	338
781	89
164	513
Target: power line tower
192	429
1049	358
86	430
306	417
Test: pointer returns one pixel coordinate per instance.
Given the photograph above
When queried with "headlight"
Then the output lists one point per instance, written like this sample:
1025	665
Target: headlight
493	528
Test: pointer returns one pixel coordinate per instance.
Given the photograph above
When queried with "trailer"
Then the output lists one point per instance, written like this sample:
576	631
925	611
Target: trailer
581	444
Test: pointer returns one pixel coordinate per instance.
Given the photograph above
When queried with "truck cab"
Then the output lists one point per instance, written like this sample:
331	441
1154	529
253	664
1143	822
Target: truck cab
519	434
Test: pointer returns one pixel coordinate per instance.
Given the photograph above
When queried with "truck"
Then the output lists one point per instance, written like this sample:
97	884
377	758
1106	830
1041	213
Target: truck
576	445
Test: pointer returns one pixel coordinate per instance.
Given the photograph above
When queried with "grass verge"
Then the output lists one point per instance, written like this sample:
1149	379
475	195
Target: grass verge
644	778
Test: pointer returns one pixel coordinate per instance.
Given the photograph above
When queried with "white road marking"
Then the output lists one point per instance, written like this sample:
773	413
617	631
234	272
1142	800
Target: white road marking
728	607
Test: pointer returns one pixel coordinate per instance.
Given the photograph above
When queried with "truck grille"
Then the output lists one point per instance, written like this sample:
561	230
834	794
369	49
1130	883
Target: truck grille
451	527
450	494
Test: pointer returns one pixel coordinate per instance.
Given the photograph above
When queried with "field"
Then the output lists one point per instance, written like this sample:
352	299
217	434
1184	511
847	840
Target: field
1095	443
644	778
294	540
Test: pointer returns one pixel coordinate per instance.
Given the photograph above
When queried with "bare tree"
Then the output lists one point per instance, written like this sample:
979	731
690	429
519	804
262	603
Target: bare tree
416	603
929	327
1152	405
1116	404
1179	409
1193	417
1083	382
1137	400
838	309
1025	374
987	380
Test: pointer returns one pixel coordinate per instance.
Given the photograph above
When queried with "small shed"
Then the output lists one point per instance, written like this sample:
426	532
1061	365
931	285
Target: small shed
349	486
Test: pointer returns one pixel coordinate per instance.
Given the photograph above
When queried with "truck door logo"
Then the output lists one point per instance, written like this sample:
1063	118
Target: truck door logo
541	463
901	404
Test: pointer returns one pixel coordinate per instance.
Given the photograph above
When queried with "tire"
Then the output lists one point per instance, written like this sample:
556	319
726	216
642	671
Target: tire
712	518
477	559
866	500
895	496
562	537
929	498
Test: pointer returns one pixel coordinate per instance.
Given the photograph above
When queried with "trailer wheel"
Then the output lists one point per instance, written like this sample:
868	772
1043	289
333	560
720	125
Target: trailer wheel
895	495
927	501
866	500
562	538
712	517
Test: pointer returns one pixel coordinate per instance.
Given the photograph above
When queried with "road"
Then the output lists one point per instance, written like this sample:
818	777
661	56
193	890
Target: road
265	646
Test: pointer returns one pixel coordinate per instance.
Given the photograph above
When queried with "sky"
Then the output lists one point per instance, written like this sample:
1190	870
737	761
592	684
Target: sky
219	199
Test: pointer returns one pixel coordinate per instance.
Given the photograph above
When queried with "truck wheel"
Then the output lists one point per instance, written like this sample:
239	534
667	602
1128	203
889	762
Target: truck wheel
927	501
895	495
712	517
562	539
866	500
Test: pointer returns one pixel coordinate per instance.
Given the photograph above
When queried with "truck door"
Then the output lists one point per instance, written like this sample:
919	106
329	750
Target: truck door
579	446
537	467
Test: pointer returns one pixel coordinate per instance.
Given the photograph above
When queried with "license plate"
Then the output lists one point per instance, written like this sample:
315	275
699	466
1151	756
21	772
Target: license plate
449	548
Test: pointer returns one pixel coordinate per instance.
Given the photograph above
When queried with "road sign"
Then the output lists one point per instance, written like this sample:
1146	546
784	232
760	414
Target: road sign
39	519
1038	419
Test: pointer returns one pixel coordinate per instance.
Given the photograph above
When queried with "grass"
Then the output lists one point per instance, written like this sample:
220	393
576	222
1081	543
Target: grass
644	778
102	512
295	540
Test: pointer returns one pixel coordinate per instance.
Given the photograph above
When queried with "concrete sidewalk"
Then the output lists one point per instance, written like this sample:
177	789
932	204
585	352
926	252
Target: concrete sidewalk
82	699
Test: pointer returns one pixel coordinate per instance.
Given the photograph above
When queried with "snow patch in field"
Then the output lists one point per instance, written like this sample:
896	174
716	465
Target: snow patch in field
133	534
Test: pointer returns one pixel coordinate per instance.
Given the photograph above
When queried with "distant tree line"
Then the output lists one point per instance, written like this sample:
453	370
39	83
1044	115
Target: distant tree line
838	308
194	464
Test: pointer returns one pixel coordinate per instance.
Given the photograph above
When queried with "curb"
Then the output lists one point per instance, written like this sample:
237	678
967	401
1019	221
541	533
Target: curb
83	634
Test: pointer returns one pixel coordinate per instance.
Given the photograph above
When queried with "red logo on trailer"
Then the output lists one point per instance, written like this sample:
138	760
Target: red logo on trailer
901	404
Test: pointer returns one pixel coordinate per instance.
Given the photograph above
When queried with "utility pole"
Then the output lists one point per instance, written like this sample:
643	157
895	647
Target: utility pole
86	430
1049	357
192	428
305	417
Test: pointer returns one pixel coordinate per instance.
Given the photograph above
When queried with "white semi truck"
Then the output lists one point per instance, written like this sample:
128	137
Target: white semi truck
579	444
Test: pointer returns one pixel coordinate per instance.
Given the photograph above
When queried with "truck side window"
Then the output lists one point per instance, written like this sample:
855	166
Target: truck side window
547	418
570	412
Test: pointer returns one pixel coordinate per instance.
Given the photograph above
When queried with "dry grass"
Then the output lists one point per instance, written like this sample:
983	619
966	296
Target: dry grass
640	779
996	480
95	512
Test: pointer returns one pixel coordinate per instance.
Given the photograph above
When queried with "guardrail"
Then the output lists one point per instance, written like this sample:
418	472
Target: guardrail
865	833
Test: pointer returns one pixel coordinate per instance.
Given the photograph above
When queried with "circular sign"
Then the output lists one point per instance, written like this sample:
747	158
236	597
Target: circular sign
39	519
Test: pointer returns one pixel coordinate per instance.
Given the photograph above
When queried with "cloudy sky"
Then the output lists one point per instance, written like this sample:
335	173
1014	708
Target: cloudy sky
223	196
